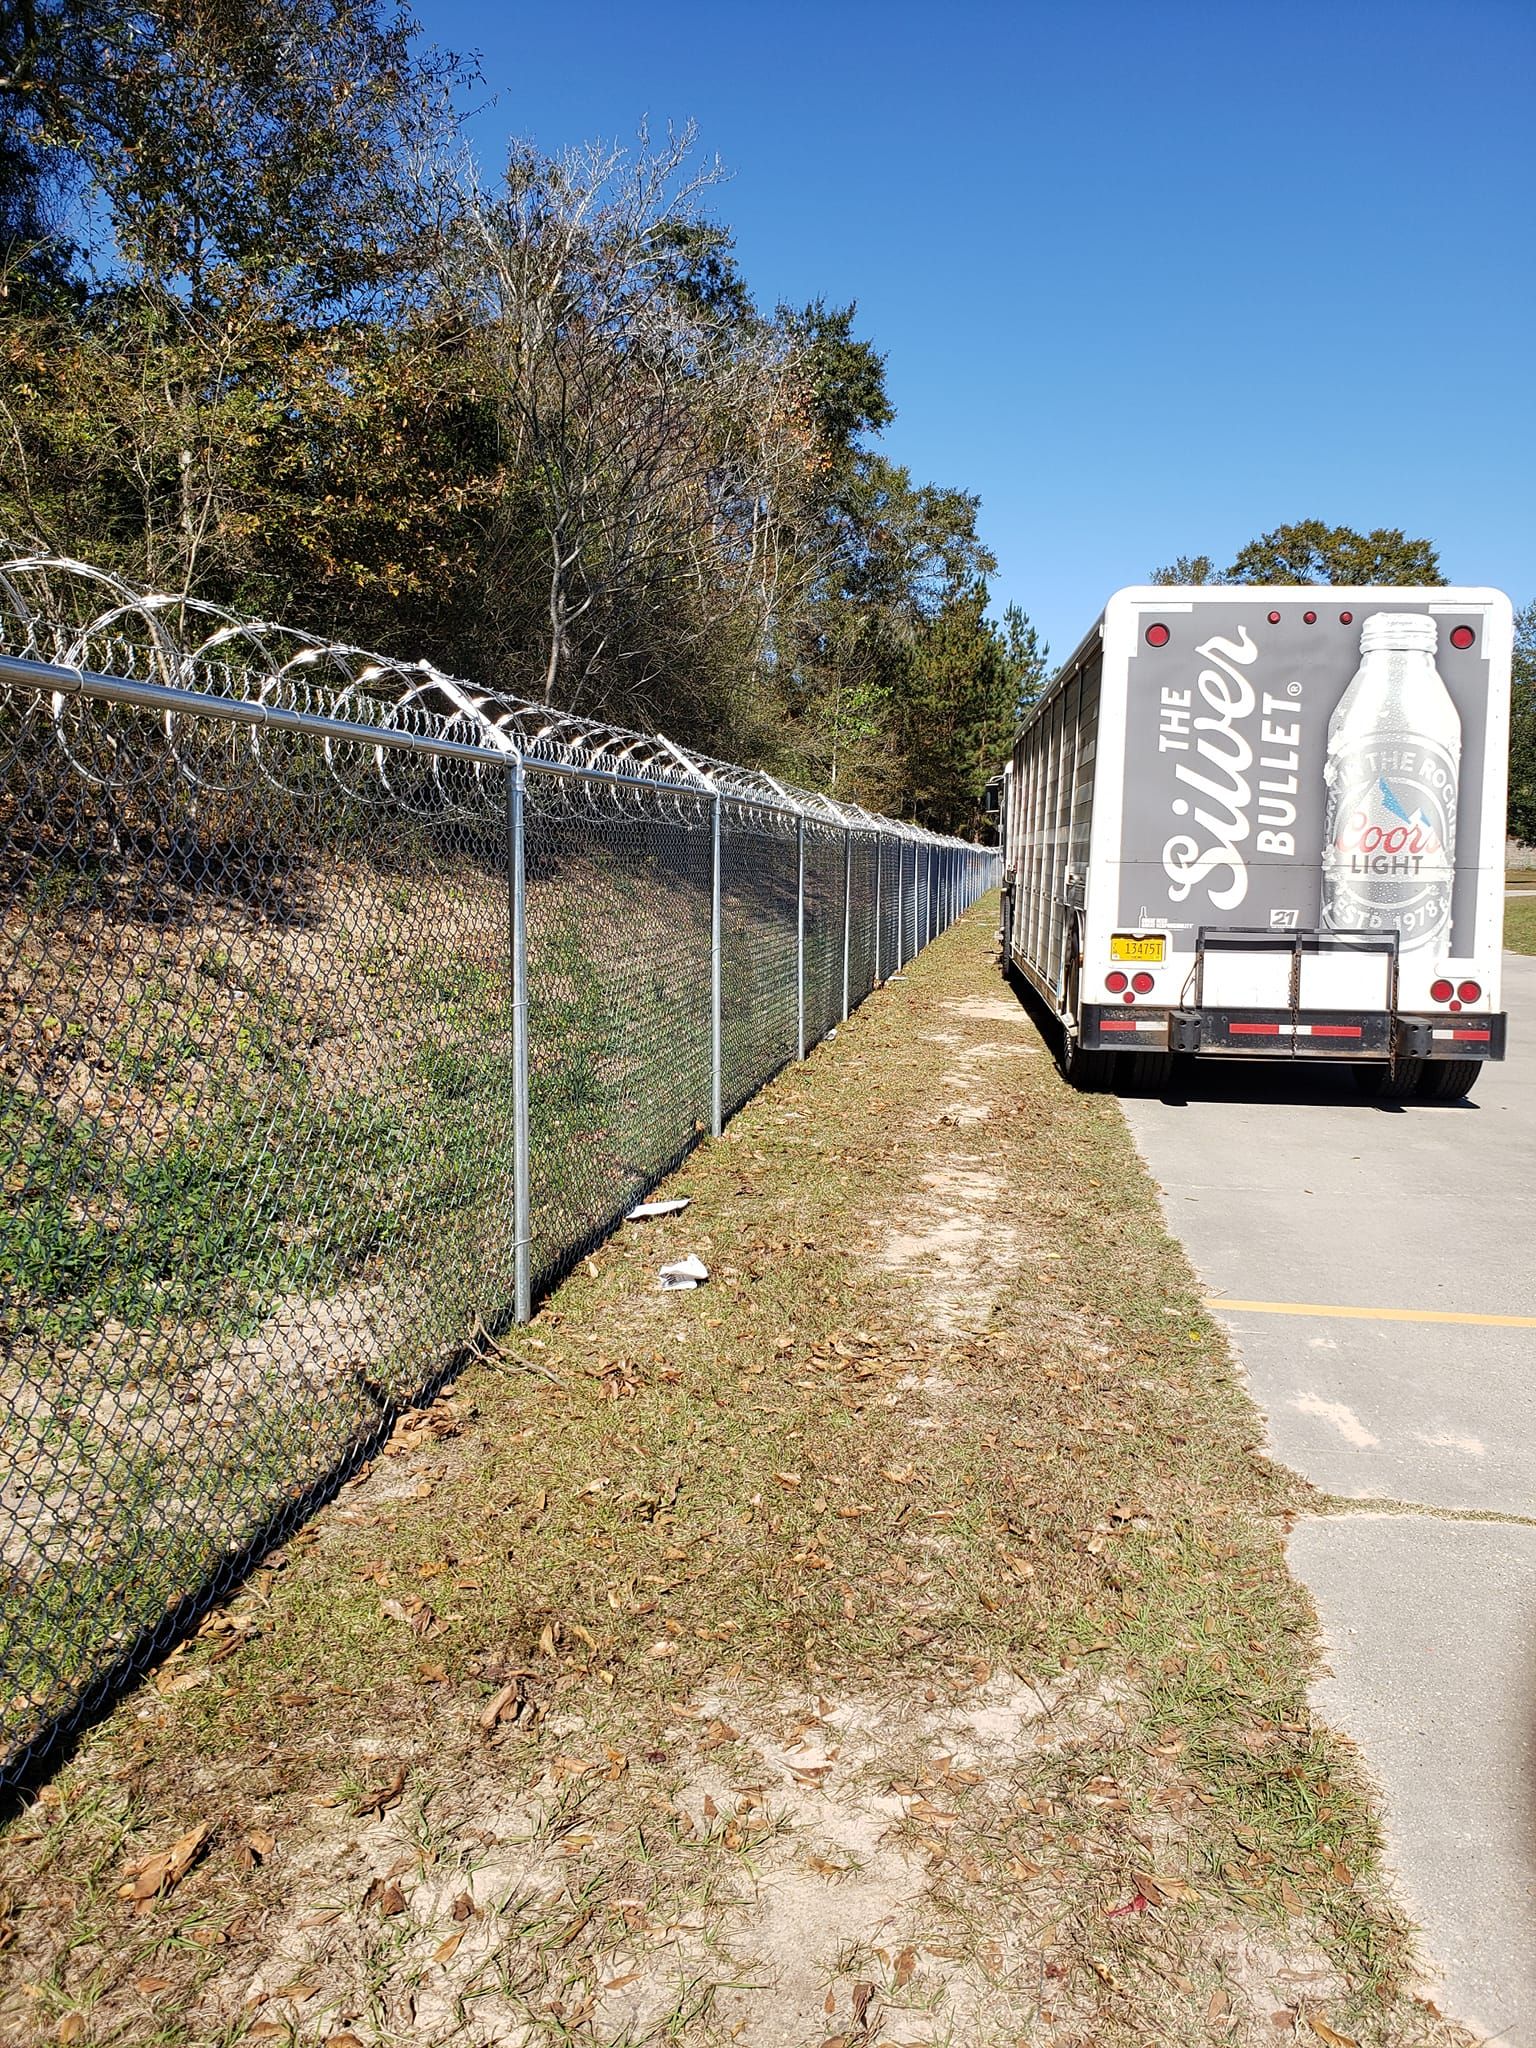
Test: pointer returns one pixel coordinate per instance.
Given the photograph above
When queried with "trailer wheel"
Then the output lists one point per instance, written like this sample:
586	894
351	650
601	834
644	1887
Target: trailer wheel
1398	1082
1088	1072
1151	1072
1141	1073
1448	1080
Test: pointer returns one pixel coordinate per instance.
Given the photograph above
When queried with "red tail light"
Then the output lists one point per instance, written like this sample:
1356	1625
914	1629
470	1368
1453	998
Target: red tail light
1470	991
1441	991
1462	636
1115	982
1142	983
1157	636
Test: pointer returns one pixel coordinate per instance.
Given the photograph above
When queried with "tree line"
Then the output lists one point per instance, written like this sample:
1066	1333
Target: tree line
269	336
1309	551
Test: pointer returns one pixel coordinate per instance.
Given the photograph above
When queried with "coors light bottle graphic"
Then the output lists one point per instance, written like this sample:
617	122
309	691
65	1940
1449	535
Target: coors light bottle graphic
1394	753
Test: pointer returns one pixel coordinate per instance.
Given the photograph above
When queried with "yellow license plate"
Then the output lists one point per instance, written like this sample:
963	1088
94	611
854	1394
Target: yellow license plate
1131	946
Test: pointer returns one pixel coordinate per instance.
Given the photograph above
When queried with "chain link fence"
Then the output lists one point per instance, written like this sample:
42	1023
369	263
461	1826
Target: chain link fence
345	1006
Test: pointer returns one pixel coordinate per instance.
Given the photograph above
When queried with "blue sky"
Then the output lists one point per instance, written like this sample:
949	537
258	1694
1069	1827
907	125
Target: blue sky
1150	277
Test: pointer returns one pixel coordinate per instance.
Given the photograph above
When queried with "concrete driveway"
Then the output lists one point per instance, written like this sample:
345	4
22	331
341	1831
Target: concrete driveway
1295	1195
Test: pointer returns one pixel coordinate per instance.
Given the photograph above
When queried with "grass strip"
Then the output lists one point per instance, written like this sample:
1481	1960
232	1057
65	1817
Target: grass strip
890	1640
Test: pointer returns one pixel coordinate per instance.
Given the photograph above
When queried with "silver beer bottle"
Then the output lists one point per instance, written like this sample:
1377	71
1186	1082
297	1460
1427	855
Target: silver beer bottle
1394	757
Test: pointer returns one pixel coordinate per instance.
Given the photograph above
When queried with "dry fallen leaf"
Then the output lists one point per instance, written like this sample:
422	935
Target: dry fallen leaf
383	1796
906	1965
151	1987
446	1947
71	2027
298	1994
862	1994
501	1706
1331	2035
168	1684
151	1876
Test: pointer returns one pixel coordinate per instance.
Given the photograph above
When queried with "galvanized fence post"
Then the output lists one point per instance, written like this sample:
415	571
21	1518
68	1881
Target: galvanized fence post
715	1120
522	1230
800	934
879	865
847	908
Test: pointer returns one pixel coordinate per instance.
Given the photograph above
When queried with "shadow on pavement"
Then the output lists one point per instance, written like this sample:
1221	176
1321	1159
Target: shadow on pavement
1308	1082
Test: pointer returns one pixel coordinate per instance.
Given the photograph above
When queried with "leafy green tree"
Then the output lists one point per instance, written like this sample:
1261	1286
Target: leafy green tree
844	380
1188	569
1522	731
1307	551
1310	552
300	365
233	145
1028	658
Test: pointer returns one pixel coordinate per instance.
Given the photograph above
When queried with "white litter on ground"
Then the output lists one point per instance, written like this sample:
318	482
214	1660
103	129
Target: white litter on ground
681	1274
643	1211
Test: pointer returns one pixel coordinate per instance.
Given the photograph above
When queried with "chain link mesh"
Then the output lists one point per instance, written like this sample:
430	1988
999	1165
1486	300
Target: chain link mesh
260	1127
619	1032
759	896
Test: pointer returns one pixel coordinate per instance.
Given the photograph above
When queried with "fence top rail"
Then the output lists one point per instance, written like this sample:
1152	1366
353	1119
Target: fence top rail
70	630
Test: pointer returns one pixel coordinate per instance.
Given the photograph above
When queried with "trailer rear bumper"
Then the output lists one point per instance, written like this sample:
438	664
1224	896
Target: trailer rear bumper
1286	1034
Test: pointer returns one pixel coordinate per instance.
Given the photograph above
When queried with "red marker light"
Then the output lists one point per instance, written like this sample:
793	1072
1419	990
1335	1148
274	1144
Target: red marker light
1455	1005
1462	636
1470	991
1115	982
1129	997
1346	618
1142	983
1309	618
1274	618
1441	991
1157	636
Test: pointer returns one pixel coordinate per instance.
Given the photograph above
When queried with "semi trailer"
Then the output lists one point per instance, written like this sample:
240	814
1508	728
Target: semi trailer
1268	822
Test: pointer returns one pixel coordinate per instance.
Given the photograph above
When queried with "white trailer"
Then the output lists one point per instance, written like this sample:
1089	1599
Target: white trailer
1268	822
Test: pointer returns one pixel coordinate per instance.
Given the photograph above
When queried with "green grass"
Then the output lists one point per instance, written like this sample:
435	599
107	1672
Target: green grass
1520	925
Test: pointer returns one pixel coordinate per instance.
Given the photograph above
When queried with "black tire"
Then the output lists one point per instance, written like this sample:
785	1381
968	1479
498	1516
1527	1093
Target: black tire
1448	1080
1142	1073
1399	1082
1087	1072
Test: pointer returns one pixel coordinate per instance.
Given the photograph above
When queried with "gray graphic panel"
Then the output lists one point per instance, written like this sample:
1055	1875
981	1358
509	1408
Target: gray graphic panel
1227	749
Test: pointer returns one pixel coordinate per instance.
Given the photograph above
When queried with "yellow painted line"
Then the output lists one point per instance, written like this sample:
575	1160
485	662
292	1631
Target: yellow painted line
1370	1315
